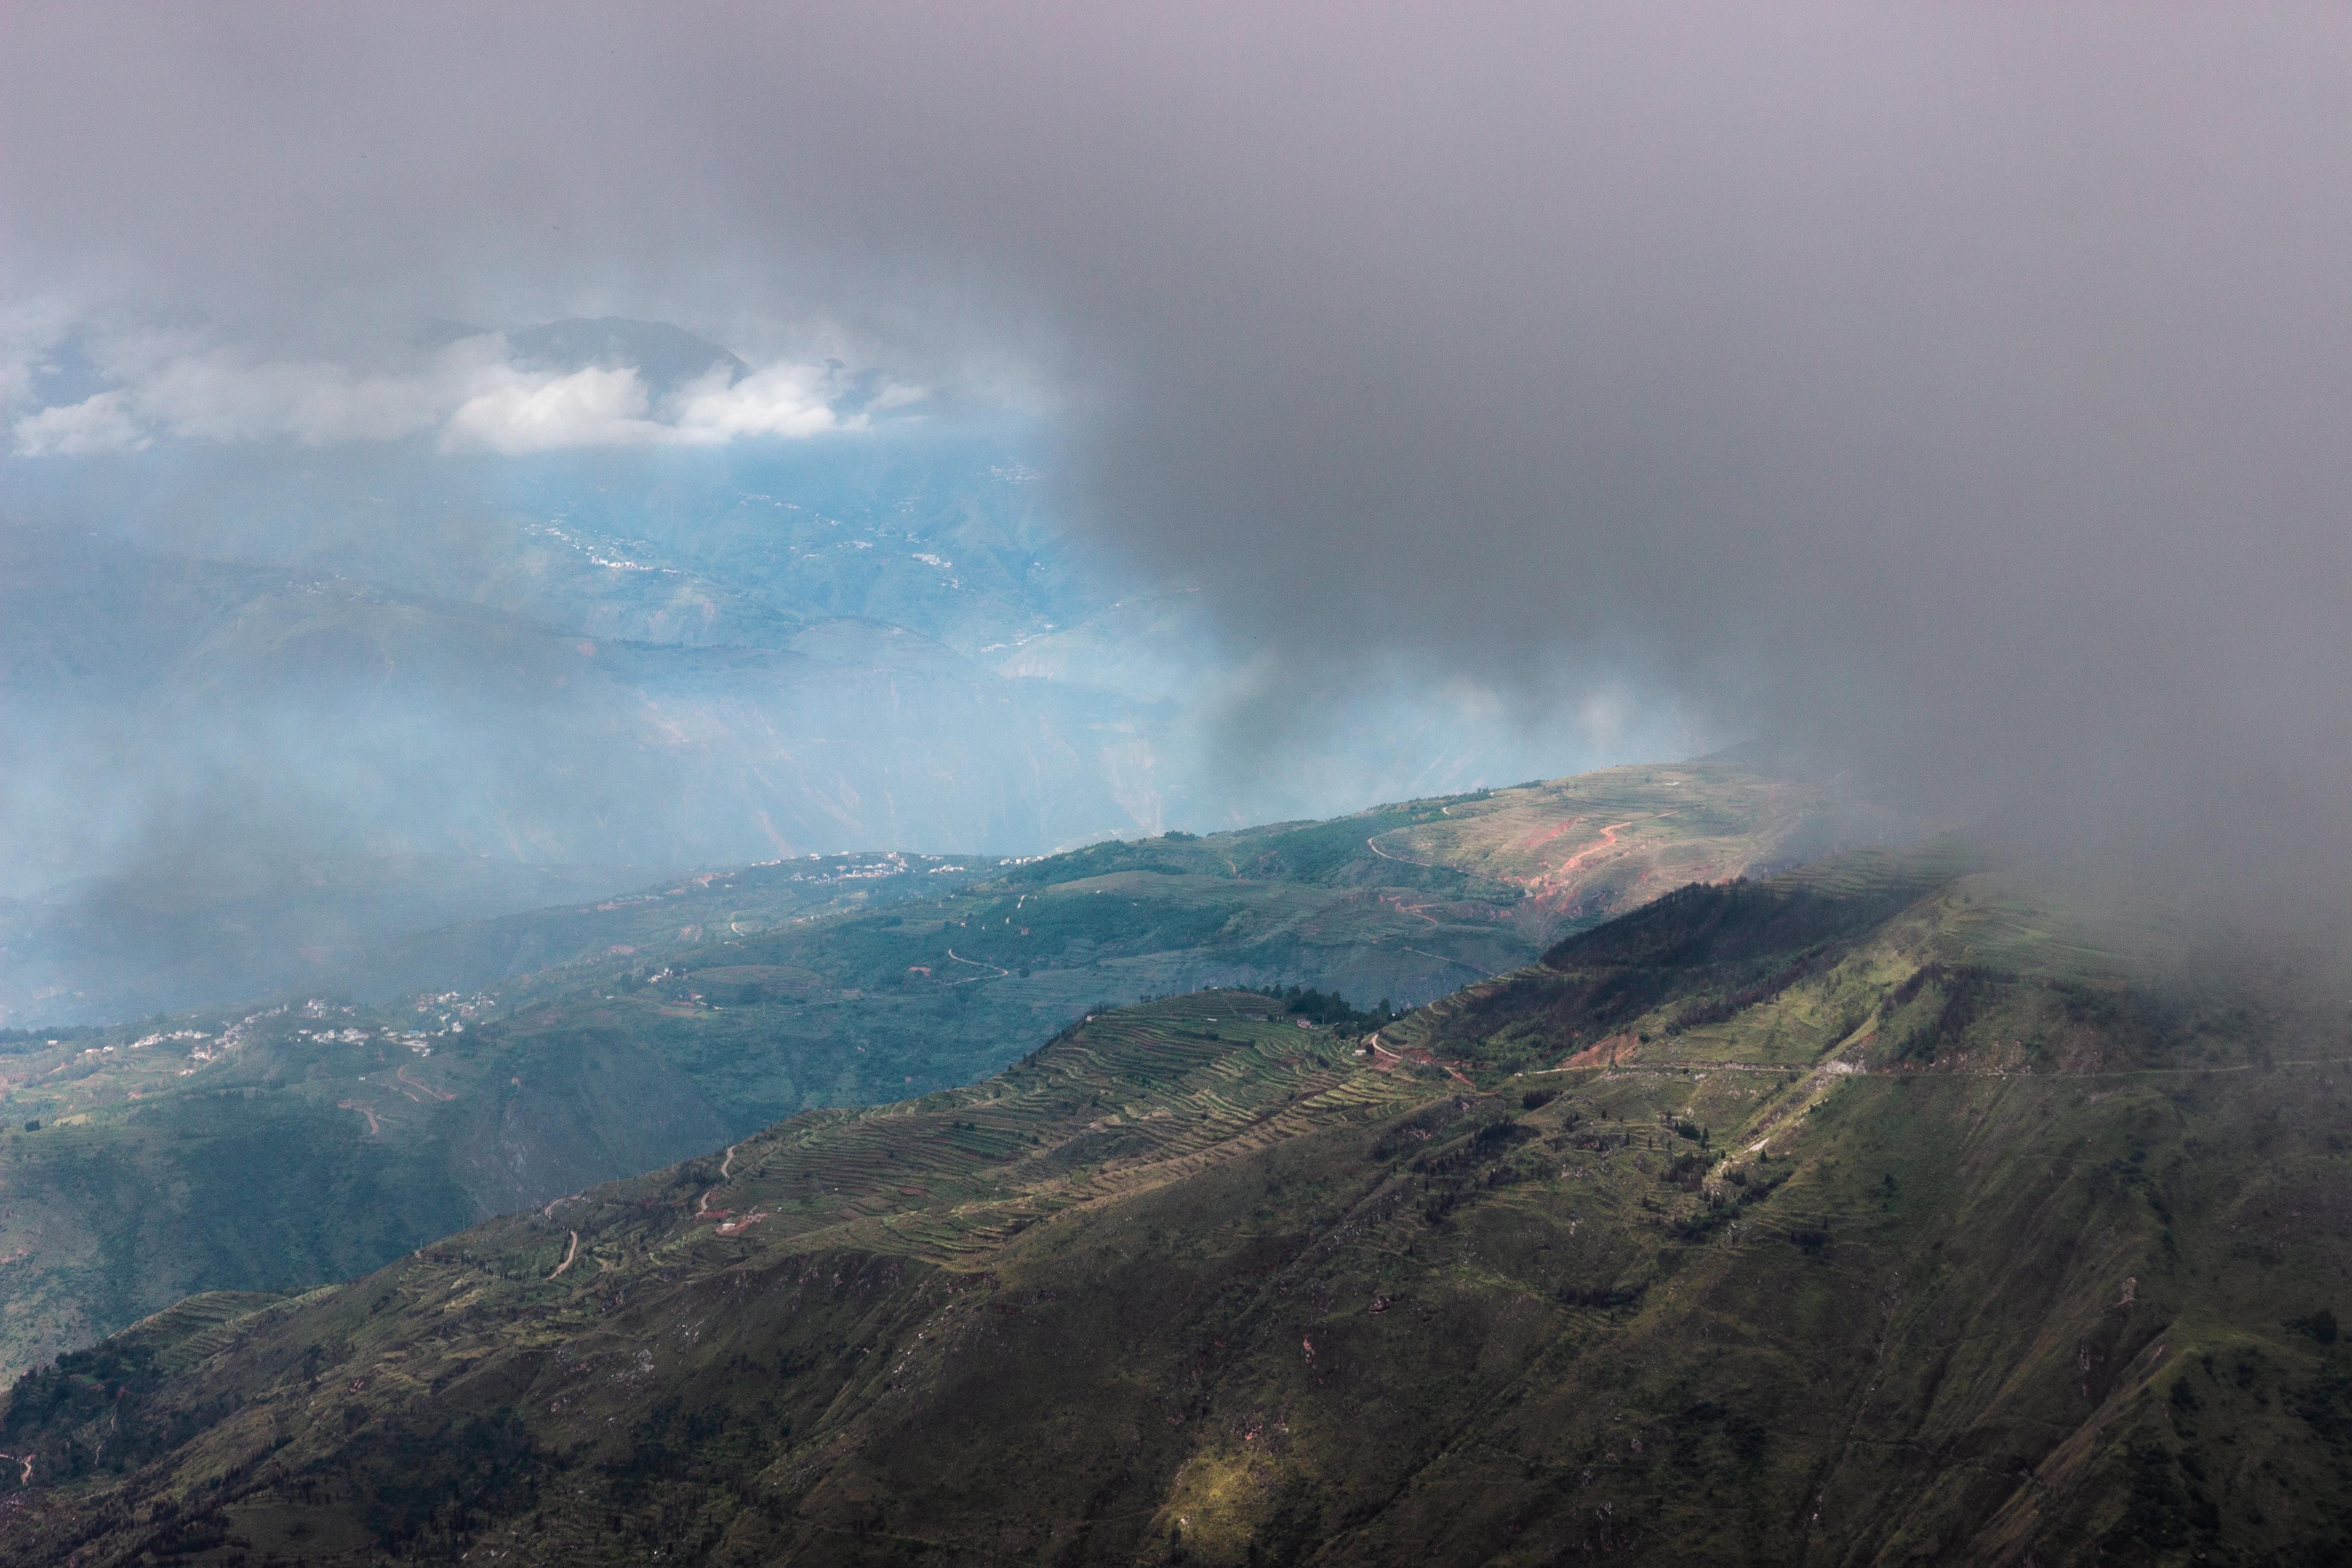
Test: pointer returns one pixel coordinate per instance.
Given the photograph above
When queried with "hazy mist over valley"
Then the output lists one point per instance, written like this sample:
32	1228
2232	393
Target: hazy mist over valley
1229	785
390	672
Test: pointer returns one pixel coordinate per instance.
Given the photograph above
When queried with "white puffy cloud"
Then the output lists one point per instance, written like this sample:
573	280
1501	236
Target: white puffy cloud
543	413
172	385
217	398
29	333
100	423
520	411
781	400
469	391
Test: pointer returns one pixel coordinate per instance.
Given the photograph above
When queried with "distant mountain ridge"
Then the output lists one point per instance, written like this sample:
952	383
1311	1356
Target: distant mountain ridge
438	1078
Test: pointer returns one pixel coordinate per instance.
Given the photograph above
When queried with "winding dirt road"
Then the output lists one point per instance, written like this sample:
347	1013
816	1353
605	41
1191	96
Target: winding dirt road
702	1203
1553	885
1373	845
1607	842
422	1087
569	1255
976	964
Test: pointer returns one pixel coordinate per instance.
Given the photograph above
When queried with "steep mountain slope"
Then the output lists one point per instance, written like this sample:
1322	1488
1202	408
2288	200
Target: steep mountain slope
496	1066
1869	1215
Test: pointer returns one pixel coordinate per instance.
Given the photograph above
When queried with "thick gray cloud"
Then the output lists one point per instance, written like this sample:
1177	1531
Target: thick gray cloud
1963	391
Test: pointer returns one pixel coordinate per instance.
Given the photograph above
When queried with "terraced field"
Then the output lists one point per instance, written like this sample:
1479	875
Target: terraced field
1145	1096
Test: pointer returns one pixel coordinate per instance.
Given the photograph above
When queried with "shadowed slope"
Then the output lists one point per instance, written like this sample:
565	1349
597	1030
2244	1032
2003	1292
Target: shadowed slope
1908	1260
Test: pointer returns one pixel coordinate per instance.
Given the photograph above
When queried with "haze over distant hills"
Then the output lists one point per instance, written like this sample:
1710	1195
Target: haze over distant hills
249	664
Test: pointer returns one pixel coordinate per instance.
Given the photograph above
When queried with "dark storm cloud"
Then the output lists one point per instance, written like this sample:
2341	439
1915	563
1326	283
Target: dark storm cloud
1961	391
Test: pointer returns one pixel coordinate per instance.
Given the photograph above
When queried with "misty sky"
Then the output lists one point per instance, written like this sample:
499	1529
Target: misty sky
1959	391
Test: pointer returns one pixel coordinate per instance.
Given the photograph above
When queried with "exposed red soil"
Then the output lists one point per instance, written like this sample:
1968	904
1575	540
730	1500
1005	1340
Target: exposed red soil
1606	1053
1387	1060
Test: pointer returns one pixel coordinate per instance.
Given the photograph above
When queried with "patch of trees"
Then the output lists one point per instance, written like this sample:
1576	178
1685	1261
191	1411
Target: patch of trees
1703	1225
1500	1134
1719	925
1687	1172
48	1404
2321	1326
705	1442
1459	1171
2136	1024
1330	1008
1949	999
19	1042
437	1488
179	1534
1741	1433
1962	993
1489	1143
1722	1009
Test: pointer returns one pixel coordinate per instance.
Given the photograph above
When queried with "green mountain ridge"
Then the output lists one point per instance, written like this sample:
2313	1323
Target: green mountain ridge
496	1065
1876	1212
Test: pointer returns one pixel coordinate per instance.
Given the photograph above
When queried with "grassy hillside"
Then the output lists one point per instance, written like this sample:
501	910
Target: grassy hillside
1872	1213
507	1062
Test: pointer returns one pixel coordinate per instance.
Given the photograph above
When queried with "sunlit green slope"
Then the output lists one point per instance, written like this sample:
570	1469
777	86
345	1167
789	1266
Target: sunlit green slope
300	1142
